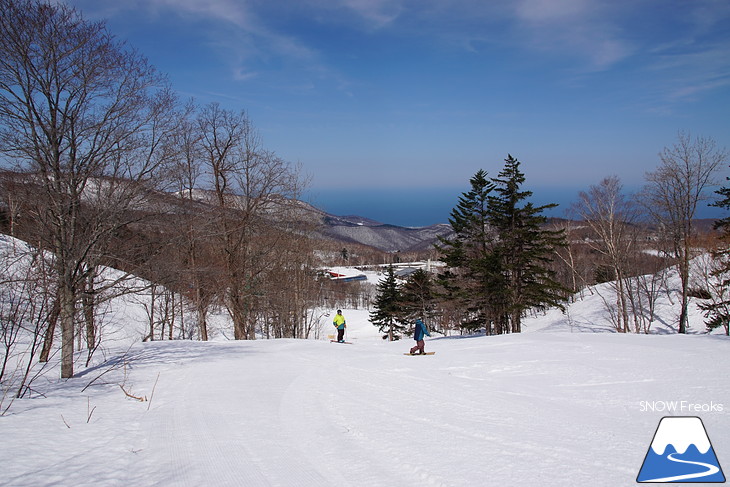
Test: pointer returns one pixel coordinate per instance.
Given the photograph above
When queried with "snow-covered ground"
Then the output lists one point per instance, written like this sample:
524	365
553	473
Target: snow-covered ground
535	409
558	405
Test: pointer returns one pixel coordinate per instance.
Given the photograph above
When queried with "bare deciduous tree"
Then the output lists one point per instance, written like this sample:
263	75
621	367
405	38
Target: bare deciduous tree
611	215
90	119
25	310
684	180
194	229
252	188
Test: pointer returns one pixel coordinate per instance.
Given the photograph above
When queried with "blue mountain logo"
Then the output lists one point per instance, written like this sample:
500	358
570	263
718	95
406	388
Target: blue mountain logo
681	452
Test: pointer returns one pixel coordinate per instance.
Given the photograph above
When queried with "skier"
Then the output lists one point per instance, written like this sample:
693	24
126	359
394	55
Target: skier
418	336
339	323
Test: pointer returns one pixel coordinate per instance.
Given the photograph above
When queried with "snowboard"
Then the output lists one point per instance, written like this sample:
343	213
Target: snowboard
335	341
427	353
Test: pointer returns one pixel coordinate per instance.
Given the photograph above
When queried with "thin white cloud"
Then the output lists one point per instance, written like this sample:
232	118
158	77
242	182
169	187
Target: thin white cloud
551	11
232	11
582	29
240	35
585	29
235	17
377	12
370	14
241	74
579	36
227	10
696	70
696	61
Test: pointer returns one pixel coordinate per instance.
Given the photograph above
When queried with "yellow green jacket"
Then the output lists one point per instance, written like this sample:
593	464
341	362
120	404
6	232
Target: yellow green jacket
339	321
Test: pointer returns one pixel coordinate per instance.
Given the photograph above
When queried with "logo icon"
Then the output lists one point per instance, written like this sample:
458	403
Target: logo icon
681	452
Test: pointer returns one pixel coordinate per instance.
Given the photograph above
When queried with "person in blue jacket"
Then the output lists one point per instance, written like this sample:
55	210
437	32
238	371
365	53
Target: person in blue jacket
418	336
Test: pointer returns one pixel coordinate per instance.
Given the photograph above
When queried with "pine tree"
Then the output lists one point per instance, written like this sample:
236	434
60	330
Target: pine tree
470	278
417	298
523	249
717	311
723	224
499	261
387	313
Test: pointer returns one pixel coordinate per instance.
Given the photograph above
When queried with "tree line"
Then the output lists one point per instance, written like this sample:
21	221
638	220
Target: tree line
106	167
506	260
498	264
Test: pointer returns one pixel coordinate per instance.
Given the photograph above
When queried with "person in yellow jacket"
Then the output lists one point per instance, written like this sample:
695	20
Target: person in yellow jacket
339	323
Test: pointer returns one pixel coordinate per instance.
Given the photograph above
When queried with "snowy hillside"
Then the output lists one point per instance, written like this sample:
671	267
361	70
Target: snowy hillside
565	403
388	238
348	229
532	409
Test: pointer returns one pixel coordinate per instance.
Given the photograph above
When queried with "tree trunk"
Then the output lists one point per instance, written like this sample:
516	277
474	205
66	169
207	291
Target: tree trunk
516	322
89	312
171	303
153	299
237	309
684	276
67	300
202	316
51	330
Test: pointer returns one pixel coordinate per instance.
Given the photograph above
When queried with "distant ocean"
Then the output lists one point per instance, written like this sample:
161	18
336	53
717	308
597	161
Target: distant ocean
420	207
407	207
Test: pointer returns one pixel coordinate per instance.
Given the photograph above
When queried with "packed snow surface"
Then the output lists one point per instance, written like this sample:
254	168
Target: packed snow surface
540	408
569	402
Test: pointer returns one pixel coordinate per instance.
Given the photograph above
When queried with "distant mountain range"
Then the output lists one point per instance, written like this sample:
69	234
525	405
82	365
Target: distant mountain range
318	223
382	236
346	229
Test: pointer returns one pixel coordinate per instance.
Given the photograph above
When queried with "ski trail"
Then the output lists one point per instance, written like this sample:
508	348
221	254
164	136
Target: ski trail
711	470
189	435
223	424
327	428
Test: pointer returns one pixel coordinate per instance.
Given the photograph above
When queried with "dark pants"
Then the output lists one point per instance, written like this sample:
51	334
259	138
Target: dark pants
340	334
420	344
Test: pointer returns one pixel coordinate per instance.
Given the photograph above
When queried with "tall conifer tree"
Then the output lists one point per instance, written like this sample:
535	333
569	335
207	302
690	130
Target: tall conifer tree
498	262
417	298
470	278
388	307
524	248
717	310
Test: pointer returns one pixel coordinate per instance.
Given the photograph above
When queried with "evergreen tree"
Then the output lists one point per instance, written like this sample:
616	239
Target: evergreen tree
417	298
499	260
523	249
717	311
388	307
470	278
723	224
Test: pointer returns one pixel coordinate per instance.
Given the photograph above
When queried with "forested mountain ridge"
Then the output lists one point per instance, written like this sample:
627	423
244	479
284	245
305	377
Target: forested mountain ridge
316	223
354	229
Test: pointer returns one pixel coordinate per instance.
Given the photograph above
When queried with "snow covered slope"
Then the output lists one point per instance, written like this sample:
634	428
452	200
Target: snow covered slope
532	409
389	238
564	404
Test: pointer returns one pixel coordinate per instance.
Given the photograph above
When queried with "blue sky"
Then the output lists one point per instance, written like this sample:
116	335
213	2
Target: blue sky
391	106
